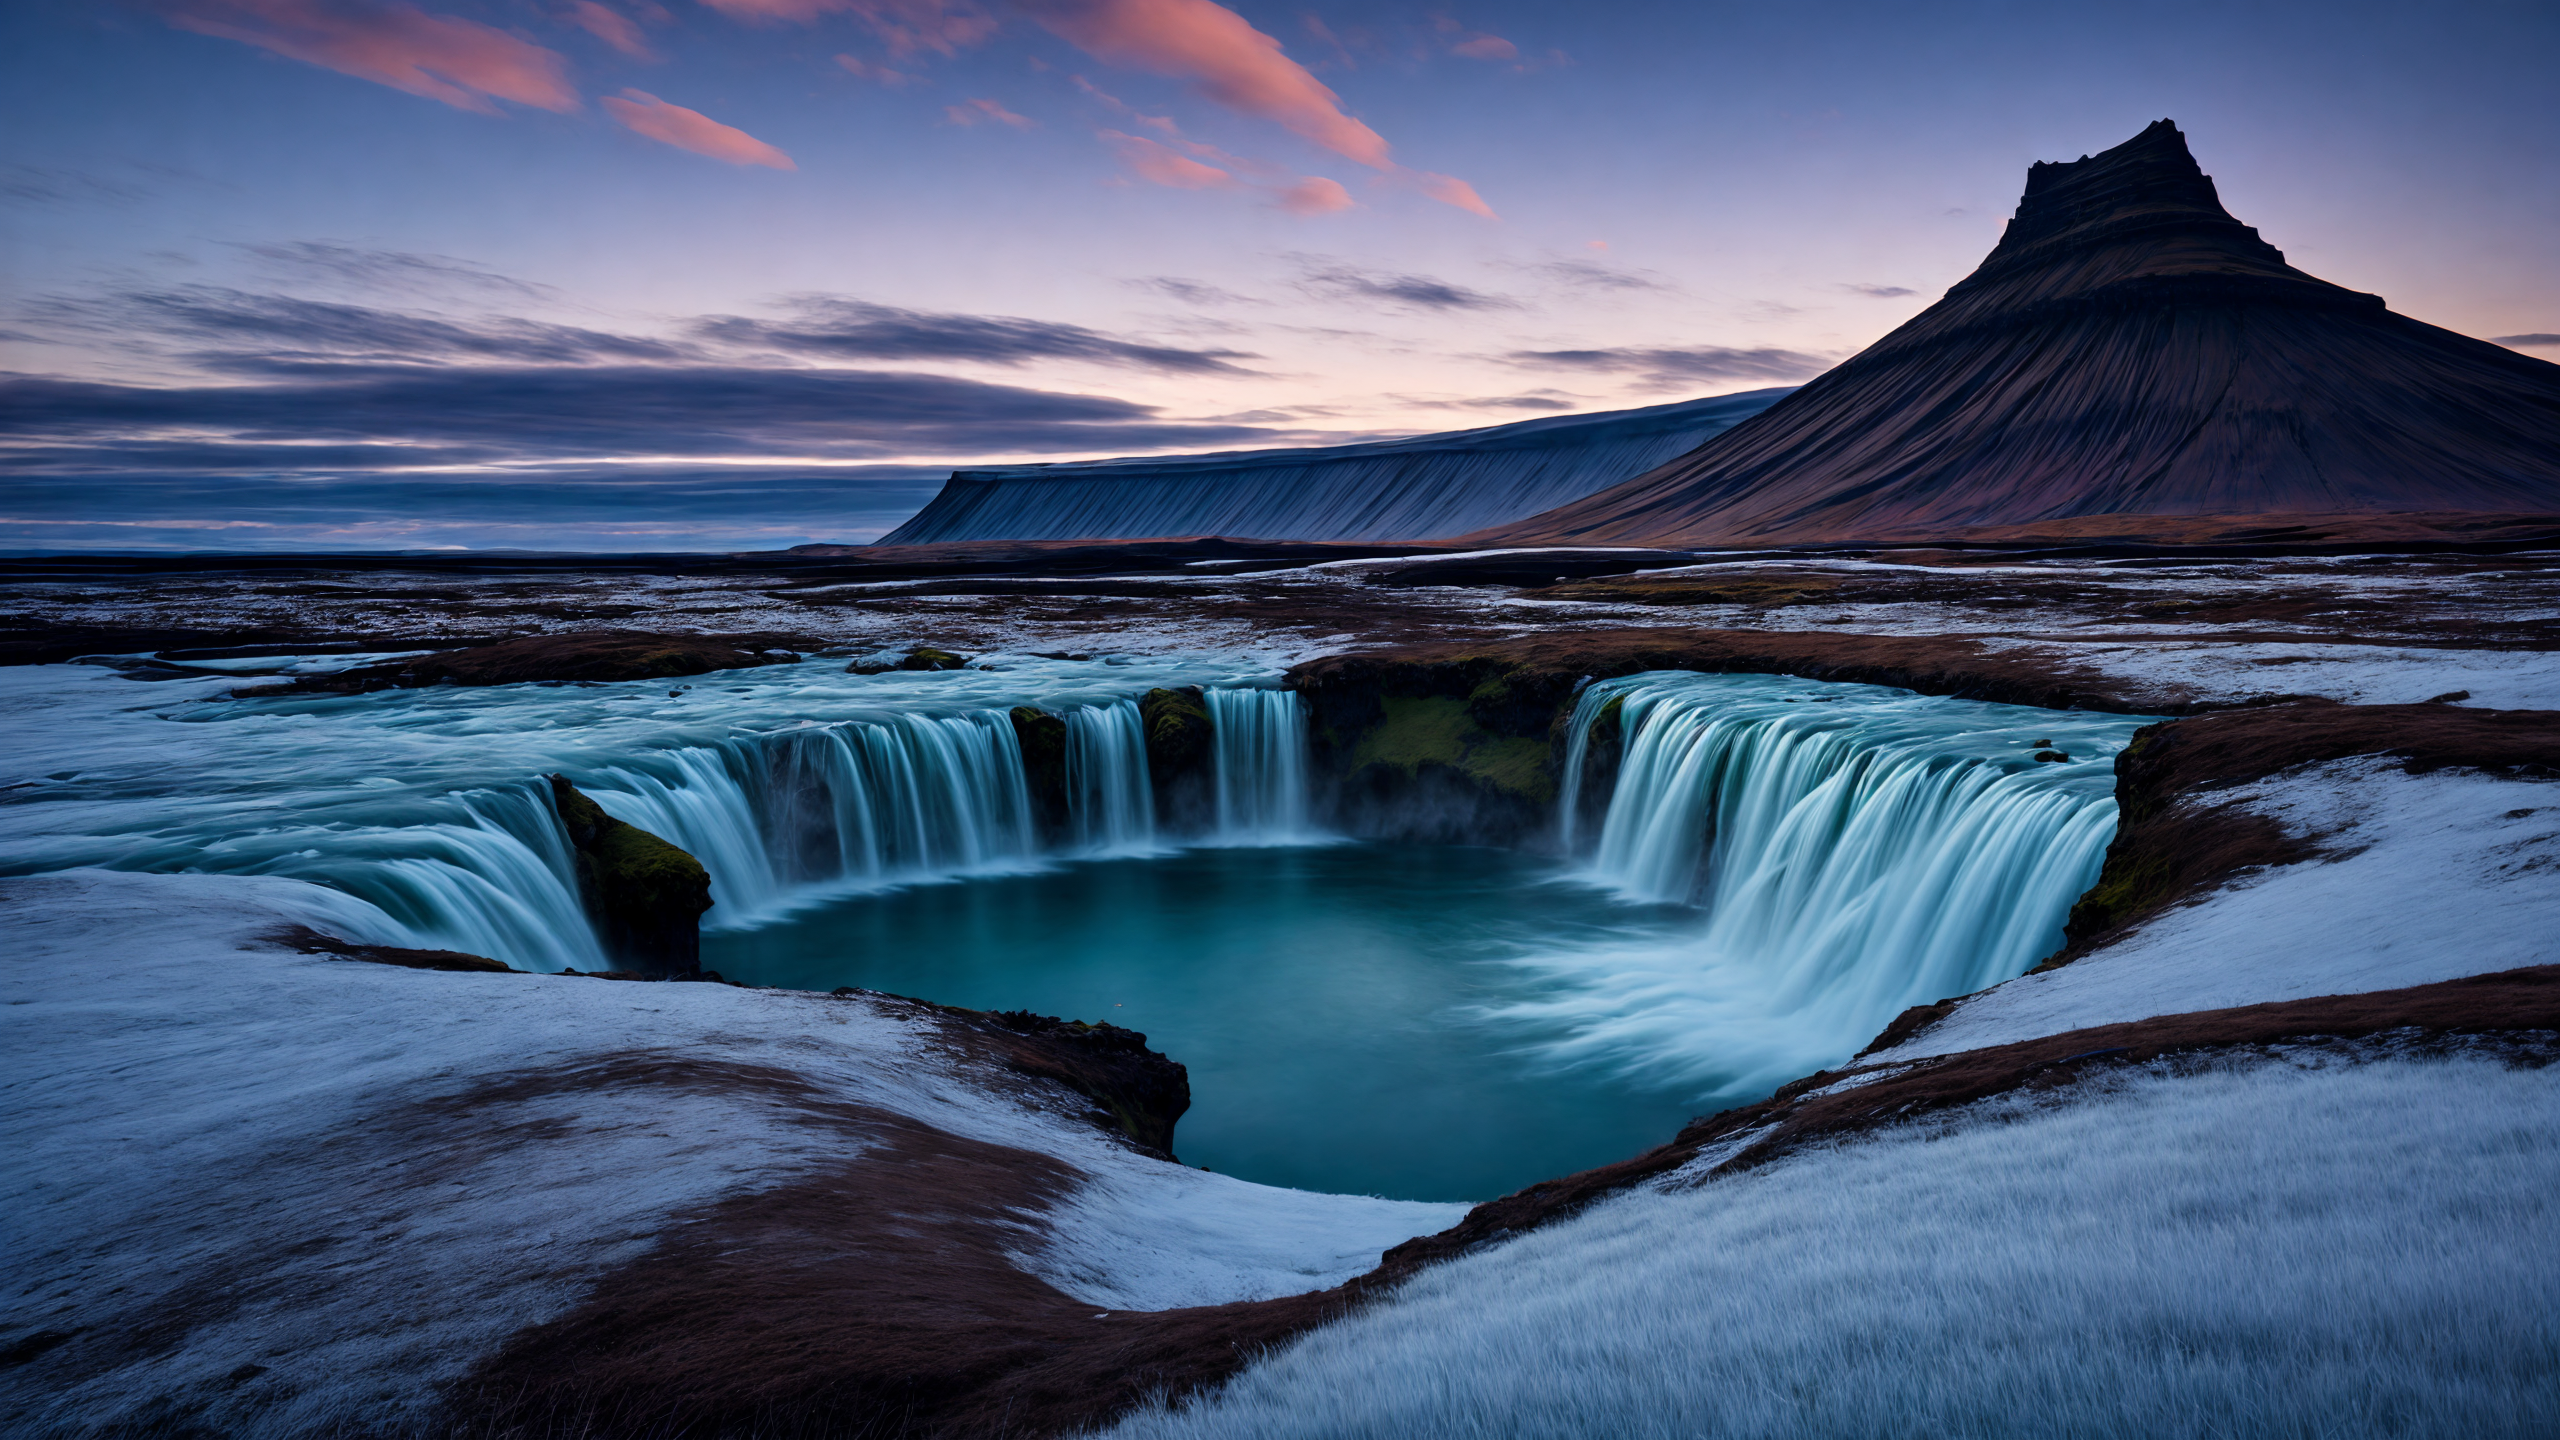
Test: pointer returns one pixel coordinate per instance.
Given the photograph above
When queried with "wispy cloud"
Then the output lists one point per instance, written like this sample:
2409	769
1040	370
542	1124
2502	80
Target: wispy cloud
1192	292
461	62
1596	275
247	331
1879	292
1237	66
646	114
1422	291
2534	341
1680	366
980	112
906	27
879	74
481	414
612	27
1161	164
838	327
385	270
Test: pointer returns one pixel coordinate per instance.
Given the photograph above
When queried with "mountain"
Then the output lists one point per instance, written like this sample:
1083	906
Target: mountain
1426	487
2128	350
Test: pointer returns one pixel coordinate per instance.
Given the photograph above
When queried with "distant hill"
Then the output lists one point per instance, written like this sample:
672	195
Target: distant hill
2128	350
1427	487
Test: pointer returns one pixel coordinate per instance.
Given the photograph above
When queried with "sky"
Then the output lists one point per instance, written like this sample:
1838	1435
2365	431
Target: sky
729	274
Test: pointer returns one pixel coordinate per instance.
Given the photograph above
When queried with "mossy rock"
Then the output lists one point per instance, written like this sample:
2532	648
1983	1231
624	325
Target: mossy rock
1043	738
921	658
644	895
1419	731
1179	734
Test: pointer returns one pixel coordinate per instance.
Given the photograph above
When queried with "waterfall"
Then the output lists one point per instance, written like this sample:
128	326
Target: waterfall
1852	850
1261	767
782	819
498	881
1111	806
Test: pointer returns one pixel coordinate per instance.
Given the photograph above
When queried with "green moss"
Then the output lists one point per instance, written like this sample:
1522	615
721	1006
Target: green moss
630	861
1438	730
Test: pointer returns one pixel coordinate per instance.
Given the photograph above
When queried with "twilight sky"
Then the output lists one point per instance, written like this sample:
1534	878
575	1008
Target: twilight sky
686	274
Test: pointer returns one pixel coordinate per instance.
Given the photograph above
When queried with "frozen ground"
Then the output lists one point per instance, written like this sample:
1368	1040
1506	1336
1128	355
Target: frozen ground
2268	1251
270	1192
2423	878
1279	617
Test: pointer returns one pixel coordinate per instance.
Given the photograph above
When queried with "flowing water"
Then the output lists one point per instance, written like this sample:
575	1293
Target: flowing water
1782	866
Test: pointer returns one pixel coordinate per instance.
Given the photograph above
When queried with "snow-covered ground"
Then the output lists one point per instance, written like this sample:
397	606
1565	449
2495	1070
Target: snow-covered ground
2423	878
2351	674
2275	1250
278	1192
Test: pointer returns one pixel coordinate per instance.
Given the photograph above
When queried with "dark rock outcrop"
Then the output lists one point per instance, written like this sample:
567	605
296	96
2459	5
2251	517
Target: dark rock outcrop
2128	351
645	896
924	658
592	655
1181	756
1142	1093
1043	738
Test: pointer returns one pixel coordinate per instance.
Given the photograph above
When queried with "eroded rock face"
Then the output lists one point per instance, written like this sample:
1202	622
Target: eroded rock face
594	655
645	896
1144	1092
1181	755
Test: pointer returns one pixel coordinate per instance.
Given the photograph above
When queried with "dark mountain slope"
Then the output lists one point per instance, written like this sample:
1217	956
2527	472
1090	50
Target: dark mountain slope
2128	349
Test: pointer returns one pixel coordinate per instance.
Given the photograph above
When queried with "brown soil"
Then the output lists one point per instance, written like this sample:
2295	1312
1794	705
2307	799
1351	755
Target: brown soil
595	655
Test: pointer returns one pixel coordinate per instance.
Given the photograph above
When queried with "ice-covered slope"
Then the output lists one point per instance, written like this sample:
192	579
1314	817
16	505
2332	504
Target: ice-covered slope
254	1193
2128	349
1423	488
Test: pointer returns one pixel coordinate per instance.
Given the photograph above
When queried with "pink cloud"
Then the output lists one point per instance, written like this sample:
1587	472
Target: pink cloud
1233	63
1486	47
646	114
976	111
461	62
907	26
1314	195
1161	165
612	27
1450	190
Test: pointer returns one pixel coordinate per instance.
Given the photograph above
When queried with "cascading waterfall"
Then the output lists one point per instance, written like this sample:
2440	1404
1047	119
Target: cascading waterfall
1261	759
782	819
389	799
1854	850
1111	806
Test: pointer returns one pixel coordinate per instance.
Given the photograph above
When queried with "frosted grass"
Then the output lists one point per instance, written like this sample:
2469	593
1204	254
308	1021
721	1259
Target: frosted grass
2367	1251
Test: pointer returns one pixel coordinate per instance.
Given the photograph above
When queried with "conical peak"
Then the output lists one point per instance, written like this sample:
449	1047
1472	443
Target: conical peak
2148	188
